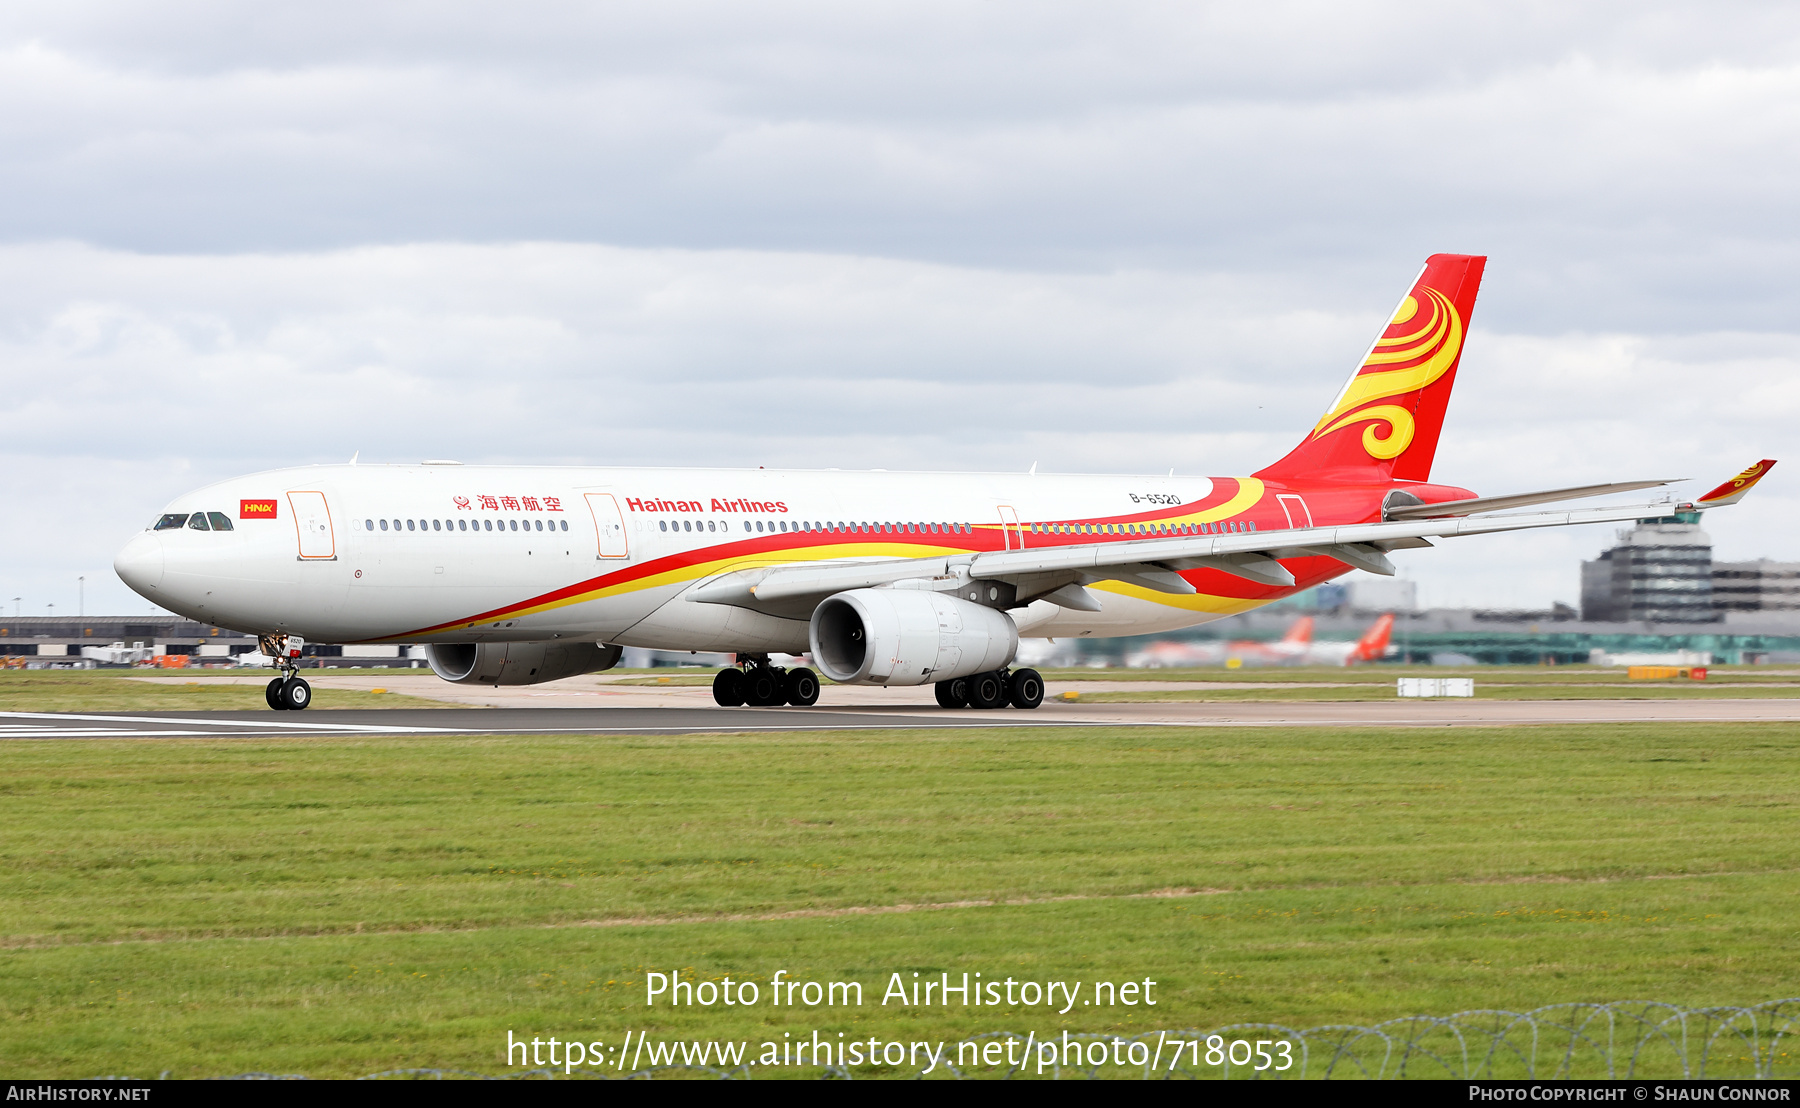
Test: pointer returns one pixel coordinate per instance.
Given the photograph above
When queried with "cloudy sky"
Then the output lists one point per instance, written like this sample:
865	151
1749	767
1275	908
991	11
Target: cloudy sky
1115	237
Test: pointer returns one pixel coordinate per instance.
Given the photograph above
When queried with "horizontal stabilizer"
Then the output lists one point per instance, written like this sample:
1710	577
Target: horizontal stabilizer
1735	489
1517	500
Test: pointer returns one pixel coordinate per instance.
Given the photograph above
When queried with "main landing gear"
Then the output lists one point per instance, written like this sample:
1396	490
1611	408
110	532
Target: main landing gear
762	685
287	693
1022	688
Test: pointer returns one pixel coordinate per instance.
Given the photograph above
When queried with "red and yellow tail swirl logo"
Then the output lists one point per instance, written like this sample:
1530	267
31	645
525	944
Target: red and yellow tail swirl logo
1420	356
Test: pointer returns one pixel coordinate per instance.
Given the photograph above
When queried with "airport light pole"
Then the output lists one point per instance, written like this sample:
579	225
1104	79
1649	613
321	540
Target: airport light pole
80	598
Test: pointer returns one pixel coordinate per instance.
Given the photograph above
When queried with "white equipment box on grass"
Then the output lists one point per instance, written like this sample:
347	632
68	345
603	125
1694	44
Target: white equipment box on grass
1436	686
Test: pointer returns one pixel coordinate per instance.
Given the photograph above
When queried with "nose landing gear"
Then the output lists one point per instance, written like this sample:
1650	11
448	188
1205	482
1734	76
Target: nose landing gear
287	693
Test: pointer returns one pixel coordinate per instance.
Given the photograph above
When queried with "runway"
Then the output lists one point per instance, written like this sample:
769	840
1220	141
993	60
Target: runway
684	718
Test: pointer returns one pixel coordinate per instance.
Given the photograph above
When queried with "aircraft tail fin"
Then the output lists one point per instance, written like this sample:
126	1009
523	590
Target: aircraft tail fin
1385	422
1374	642
1300	633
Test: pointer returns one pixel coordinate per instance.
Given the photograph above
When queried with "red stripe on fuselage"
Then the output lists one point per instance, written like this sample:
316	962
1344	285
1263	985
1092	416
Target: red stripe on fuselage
1358	504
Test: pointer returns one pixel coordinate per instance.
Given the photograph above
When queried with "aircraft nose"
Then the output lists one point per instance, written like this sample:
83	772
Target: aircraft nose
140	563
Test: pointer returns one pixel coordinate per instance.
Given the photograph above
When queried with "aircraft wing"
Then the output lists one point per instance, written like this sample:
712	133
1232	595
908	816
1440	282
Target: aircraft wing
1254	556
1519	500
1057	573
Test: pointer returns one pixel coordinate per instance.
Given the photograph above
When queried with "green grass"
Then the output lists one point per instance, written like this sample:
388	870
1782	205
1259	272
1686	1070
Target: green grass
1687	690
76	690
339	906
1385	675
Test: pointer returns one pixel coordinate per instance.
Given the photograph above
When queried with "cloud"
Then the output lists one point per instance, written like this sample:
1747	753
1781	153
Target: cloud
1629	163
140	376
927	235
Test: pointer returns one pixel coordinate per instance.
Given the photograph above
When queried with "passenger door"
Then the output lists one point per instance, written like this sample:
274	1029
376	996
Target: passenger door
1298	514
312	522
609	525
1009	526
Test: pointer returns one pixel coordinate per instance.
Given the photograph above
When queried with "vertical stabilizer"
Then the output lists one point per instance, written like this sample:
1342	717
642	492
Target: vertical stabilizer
1385	422
1374	642
1301	632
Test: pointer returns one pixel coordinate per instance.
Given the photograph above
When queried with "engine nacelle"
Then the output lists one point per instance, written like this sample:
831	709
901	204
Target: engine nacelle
908	637
518	663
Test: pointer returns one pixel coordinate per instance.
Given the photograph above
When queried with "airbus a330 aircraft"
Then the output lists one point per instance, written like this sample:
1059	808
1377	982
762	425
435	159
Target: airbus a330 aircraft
517	575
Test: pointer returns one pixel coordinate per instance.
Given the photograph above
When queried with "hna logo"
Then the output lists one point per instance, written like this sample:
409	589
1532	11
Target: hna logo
256	509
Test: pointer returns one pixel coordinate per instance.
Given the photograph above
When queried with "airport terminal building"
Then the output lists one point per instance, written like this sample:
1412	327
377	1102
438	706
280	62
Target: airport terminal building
62	637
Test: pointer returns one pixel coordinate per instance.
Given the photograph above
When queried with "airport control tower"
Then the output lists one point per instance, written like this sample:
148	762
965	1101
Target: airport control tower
1660	571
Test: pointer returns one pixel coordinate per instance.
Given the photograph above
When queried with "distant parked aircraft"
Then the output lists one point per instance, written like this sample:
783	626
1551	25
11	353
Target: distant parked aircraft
1296	648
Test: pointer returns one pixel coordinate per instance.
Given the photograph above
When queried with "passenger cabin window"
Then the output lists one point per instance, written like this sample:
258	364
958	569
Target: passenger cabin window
219	520
172	520
198	522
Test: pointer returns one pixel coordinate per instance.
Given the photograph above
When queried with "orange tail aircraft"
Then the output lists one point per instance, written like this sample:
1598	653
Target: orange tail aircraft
1374	642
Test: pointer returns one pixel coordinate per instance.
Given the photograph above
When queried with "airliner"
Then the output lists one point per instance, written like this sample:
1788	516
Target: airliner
1296	648
514	575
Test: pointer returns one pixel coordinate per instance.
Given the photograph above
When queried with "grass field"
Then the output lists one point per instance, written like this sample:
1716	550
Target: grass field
1385	674
340	906
1484	690
1377	683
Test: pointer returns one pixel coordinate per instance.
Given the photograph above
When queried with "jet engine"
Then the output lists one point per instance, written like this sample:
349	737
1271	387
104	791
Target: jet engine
518	663
908	637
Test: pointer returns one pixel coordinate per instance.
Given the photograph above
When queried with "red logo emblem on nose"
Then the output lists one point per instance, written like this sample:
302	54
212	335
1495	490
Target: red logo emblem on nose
256	509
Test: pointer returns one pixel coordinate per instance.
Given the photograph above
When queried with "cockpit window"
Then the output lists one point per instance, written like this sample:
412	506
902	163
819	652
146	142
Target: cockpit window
172	520
197	521
219	520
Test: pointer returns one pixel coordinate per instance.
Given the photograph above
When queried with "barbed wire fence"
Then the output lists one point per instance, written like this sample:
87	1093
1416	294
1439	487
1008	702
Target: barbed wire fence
1619	1040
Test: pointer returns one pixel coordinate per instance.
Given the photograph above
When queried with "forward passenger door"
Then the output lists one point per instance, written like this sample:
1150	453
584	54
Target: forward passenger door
312	521
609	525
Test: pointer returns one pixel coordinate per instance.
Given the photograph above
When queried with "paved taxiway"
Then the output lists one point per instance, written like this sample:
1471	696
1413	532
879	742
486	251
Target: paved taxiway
675	716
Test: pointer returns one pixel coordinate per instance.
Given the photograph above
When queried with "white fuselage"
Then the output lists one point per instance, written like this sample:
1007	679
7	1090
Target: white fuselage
454	553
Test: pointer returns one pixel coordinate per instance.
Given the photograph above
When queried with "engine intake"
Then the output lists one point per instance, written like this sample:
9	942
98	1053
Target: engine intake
518	663
908	637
